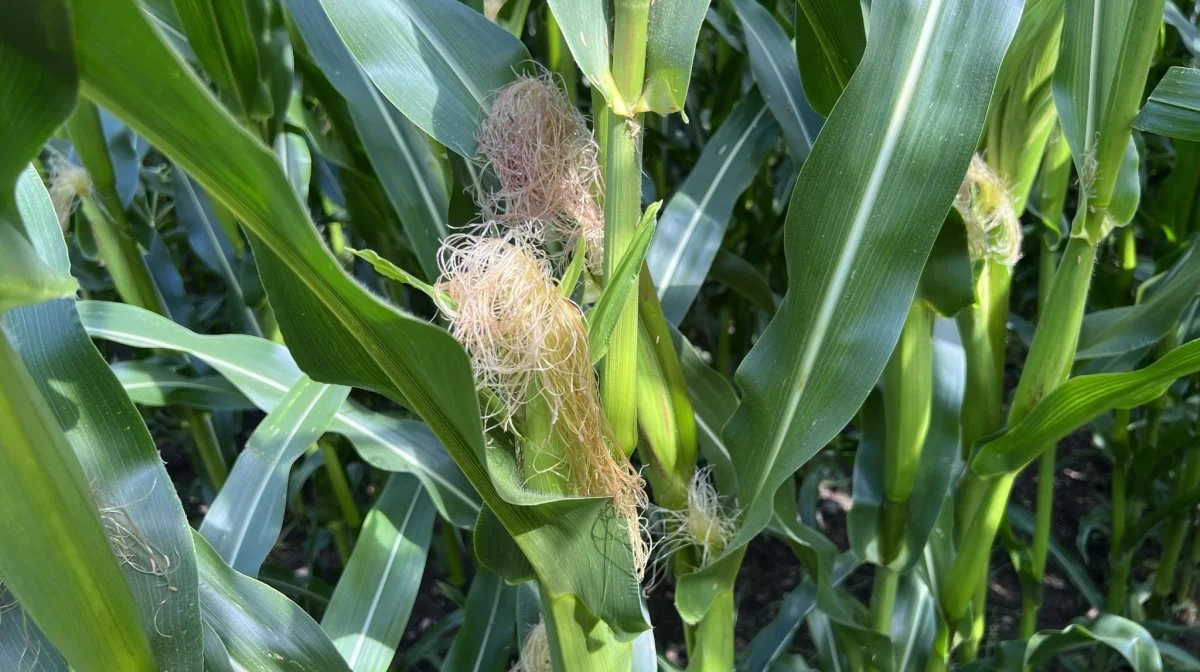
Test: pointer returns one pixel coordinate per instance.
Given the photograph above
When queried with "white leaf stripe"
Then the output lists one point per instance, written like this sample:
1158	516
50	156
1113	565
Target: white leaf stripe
832	298
491	623
361	639
668	275
752	30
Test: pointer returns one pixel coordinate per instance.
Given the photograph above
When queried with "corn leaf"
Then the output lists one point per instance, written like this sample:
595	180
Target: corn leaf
138	505
830	40
693	223
397	149
1112	332
1106	50
374	596
246	616
1173	109
62	571
244	521
670	47
489	629
153	383
862	220
775	637
424	57
1125	637
602	318
774	64
1077	402
584	25
225	40
264	371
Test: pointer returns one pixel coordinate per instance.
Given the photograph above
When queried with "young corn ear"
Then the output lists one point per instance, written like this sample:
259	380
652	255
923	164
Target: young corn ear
524	338
704	524
993	228
545	159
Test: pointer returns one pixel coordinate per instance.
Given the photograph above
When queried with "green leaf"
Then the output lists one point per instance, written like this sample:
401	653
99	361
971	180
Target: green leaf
296	159
244	521
1121	635
247	615
1075	403
58	560
868	205
27	279
776	636
774	64
339	332
737	274
1116	331
264	371
195	213
670	47
584	25
948	283
152	383
389	270
1173	109
138	506
23	647
914	624
38	81
602	318
216	656
693	223
1106	50
224	40
488	633
374	596
397	150
935	470
425	57
830	40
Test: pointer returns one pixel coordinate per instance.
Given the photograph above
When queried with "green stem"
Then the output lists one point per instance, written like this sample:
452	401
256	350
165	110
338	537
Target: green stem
1188	574
1172	547
339	484
974	638
622	209
1118	579
939	653
1031	603
1128	246
883	599
1048	364
455	567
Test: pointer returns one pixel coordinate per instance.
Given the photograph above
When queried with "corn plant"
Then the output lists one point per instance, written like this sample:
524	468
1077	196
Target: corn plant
599	335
